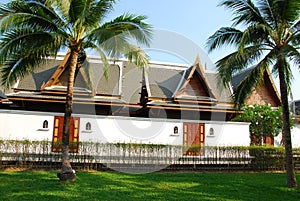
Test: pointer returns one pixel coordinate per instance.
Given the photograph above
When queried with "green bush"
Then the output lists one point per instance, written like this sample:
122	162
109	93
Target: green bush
267	157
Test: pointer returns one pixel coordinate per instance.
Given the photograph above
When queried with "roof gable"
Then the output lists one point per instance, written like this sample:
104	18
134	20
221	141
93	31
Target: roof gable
195	84
55	78
265	93
59	79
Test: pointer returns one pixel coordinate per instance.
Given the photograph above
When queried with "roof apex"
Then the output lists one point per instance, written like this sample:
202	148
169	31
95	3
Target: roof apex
197	67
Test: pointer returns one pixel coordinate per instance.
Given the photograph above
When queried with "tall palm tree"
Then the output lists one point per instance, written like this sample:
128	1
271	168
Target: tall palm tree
32	30
265	33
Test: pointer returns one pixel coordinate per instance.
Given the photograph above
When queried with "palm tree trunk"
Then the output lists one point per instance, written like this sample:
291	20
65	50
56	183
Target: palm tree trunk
290	172
67	171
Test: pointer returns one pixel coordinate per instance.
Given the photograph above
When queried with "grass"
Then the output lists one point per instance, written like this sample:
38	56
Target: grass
41	185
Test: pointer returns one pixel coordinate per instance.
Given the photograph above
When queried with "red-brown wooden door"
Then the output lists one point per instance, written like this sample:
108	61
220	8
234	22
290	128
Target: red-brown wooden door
193	139
58	131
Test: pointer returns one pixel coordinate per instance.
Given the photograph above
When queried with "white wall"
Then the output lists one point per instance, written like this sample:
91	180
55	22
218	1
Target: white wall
28	125
227	134
134	130
23	125
295	134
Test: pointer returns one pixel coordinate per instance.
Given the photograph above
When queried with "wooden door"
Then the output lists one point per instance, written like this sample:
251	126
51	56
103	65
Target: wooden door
269	141
193	139
58	132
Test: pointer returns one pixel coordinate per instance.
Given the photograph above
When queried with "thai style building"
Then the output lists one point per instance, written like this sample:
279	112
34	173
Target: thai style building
164	104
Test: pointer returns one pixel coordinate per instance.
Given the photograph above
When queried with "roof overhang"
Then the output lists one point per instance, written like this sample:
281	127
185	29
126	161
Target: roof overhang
39	97
169	105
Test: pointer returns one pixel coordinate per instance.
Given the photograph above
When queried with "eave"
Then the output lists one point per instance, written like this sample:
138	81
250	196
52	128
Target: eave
188	107
38	97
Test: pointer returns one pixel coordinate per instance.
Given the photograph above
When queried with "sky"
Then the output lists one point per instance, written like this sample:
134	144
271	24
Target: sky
181	29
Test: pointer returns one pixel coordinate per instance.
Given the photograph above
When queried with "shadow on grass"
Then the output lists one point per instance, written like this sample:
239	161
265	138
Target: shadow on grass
27	185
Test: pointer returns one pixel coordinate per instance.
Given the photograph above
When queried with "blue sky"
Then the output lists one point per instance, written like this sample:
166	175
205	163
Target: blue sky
195	20
178	22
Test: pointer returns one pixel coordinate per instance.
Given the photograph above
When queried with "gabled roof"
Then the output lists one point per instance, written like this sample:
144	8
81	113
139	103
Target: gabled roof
52	76
59	79
169	84
175	82
55	77
201	89
237	78
258	95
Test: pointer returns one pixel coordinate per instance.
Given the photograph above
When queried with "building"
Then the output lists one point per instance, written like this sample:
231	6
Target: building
165	104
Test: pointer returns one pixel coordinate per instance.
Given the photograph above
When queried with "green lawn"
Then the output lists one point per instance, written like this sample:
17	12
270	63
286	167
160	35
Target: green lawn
39	185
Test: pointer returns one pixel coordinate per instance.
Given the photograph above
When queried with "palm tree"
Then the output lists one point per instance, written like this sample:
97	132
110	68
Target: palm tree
265	33
32	30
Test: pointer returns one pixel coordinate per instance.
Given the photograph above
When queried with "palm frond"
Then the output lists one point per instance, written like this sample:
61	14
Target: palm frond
295	38
293	53
61	7
244	10
28	38
137	56
131	25
287	71
105	62
25	44
20	65
88	74
222	37
267	12
237	61
114	46
75	10
99	10
250	82
288	10
32	13
256	34
296	26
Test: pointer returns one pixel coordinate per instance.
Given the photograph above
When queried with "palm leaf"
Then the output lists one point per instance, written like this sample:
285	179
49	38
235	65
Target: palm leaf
132	26
18	66
237	61
257	34
267	12
250	82
137	56
287	10
98	11
245	11
61	7
288	73
224	36
34	14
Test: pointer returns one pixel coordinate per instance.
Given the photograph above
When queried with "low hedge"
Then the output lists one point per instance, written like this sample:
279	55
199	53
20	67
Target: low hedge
256	158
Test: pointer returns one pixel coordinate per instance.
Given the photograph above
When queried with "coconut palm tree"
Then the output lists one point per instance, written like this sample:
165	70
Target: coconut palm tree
265	33
32	30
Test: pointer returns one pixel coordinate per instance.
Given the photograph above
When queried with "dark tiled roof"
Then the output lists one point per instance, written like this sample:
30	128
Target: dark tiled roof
103	85
124	80
131	83
41	74
236	79
163	82
224	94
